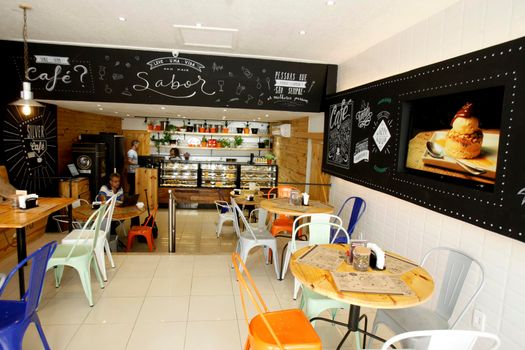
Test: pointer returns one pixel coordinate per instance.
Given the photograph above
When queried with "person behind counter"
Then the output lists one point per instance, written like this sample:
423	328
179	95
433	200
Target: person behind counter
113	188
133	160
175	154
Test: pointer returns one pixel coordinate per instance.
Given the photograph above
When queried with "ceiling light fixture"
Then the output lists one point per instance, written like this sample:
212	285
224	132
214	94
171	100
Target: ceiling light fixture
302	32
225	110
178	115
127	115
162	107
122	19
26	102
266	115
116	112
101	109
198	24
330	2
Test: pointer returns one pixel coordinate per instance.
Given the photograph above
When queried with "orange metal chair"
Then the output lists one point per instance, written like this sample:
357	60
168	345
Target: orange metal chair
284	329
282	223
145	230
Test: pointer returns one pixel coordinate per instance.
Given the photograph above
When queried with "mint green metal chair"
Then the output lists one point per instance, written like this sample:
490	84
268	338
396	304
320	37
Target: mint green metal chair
79	255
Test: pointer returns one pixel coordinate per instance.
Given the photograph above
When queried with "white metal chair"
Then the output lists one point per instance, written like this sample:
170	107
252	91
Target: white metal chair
443	339
2	279
225	214
102	243
253	236
79	255
61	219
423	318
319	233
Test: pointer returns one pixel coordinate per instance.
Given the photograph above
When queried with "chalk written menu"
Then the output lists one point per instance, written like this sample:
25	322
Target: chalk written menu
132	76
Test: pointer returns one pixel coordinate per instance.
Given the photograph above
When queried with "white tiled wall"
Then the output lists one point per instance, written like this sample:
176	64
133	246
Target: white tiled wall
467	26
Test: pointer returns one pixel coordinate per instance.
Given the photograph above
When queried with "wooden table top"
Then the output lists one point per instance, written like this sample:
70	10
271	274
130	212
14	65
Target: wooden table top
321	281
281	206
120	213
18	218
241	200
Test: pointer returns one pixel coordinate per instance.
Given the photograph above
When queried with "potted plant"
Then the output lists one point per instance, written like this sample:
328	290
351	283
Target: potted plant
157	127
247	128
189	127
225	128
224	143
267	143
270	157
204	141
237	141
157	143
240	130
202	127
166	139
255	130
151	125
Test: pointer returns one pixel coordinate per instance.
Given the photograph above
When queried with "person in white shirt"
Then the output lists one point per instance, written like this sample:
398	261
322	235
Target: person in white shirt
133	163
113	188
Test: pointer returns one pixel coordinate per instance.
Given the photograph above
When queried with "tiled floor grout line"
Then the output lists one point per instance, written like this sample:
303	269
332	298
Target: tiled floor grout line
141	306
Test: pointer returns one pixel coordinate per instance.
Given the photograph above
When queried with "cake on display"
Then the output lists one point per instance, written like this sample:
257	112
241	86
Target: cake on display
465	138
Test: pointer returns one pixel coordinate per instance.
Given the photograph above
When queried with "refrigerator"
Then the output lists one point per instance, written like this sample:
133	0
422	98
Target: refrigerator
115	150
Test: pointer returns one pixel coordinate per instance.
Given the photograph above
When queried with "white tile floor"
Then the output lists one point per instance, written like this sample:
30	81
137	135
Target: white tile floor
159	301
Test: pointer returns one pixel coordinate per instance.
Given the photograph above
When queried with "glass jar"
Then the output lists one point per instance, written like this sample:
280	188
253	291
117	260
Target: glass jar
361	258
295	197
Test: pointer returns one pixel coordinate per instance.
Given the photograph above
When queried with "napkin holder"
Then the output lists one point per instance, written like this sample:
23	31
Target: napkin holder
377	258
28	201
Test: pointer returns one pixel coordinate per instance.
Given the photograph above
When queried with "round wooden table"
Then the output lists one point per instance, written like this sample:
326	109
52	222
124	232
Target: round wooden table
283	207
241	200
120	213
321	281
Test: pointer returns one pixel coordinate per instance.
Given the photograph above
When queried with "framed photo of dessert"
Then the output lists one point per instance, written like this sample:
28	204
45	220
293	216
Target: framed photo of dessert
447	136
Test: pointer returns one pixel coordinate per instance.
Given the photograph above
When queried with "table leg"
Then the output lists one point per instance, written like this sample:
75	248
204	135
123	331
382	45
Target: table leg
21	251
70	217
354	318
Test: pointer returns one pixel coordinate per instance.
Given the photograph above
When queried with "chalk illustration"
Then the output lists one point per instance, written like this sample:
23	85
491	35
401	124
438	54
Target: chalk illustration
522	193
108	90
221	85
126	92
215	67
240	89
117	76
247	73
311	86
250	97
259	83
101	72
268	83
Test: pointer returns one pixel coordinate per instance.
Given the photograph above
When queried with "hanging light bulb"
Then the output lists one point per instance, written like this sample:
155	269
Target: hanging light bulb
26	104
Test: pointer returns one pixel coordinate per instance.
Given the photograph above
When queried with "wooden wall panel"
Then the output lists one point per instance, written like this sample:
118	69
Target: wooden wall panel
71	124
291	153
144	138
147	178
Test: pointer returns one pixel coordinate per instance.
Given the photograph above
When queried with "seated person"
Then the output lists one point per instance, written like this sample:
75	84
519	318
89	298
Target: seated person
175	154
113	188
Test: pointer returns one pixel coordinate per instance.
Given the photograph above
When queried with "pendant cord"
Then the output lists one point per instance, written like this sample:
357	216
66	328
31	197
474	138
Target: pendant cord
26	50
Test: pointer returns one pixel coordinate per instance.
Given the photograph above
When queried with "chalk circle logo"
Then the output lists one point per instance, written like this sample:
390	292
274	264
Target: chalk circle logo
84	162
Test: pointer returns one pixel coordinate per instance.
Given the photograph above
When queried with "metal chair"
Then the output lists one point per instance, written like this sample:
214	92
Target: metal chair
443	339
252	237
62	219
283	329
79	255
225	214
358	209
17	315
282	223
145	230
423	318
101	246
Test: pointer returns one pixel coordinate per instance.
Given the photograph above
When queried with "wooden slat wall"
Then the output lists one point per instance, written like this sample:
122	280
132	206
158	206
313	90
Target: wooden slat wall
146	178
71	124
142	136
291	155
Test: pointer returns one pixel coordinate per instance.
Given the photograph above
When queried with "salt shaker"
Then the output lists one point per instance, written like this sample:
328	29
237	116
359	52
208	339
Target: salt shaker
361	258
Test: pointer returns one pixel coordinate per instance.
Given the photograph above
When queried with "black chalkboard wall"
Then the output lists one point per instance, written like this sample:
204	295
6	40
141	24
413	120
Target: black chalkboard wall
62	72
376	134
30	149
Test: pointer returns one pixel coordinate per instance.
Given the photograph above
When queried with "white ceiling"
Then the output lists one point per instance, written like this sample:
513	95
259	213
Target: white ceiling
166	111
265	28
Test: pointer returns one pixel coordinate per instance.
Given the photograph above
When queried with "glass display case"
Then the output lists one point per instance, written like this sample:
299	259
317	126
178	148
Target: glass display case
263	175
218	175
173	173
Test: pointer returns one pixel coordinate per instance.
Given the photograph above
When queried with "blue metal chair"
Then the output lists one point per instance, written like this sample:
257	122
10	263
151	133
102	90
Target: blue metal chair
358	209
16	315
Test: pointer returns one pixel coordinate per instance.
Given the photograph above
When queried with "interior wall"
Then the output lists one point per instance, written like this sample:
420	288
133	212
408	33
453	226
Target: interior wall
467	26
291	153
71	124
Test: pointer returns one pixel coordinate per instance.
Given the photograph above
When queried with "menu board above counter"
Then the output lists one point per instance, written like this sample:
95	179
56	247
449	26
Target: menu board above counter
61	72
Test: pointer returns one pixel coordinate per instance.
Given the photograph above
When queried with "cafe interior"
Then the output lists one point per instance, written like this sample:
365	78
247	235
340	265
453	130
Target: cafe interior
228	174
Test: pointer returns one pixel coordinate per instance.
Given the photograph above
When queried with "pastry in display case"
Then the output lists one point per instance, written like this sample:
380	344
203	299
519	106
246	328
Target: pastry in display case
265	176
218	175
177	174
